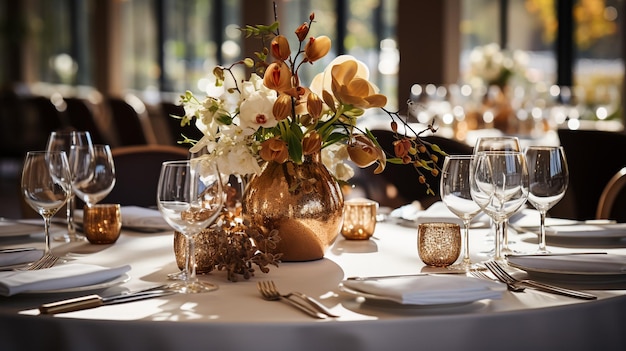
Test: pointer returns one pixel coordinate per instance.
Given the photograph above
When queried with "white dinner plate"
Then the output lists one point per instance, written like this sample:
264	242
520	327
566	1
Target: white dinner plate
389	302
99	286
580	269
587	231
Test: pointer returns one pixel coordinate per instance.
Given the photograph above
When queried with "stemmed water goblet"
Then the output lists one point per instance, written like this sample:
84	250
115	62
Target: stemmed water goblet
189	201
63	141
456	195
94	173
548	178
499	185
499	143
46	185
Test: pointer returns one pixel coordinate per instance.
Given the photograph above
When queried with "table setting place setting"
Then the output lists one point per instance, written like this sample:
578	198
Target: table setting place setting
451	274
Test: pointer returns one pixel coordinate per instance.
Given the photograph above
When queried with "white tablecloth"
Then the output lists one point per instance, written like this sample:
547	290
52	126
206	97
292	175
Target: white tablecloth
236	318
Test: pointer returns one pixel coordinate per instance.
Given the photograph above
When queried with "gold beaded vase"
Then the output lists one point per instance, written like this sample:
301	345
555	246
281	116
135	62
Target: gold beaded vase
302	201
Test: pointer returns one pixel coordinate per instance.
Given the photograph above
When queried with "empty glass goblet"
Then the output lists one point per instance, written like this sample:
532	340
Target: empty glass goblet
548	178
499	185
456	194
499	143
63	141
94	173
46	185
189	202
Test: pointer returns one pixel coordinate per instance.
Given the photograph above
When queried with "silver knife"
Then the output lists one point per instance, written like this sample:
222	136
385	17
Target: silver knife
17	249
92	301
406	275
555	254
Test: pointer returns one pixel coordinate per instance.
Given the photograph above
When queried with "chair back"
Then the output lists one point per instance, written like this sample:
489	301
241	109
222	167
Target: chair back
132	121
82	115
612	204
137	170
593	157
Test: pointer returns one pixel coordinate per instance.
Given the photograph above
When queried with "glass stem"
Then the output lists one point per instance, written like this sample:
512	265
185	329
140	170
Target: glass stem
466	251
542	232
499	234
190	262
46	228
505	235
187	258
71	205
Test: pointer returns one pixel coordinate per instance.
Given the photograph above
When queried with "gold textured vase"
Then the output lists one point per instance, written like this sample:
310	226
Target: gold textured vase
302	201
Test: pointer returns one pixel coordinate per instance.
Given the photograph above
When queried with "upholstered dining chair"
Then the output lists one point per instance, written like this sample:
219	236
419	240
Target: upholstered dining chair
612	204
132	121
82	114
593	157
137	170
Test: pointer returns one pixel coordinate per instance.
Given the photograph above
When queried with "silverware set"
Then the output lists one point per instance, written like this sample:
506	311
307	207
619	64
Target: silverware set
303	302
92	301
518	285
46	261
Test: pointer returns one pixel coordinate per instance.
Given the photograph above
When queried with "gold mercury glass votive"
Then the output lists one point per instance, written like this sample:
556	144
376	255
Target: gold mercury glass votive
359	219
102	223
439	244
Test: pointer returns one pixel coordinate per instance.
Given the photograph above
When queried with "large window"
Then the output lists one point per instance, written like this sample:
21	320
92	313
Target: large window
59	32
592	49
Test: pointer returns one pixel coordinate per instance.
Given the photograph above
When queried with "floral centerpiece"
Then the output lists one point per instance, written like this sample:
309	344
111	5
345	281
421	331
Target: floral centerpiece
493	70
490	65
273	118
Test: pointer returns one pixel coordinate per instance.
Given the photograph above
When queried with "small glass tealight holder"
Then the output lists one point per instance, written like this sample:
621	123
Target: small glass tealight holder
439	244
359	219
102	223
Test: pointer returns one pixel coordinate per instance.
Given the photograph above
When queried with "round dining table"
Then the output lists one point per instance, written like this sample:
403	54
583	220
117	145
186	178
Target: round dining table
236	317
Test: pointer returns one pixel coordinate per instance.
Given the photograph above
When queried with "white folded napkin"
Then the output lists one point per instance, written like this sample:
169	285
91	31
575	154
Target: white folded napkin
63	276
407	212
11	258
587	263
141	217
439	212
429	289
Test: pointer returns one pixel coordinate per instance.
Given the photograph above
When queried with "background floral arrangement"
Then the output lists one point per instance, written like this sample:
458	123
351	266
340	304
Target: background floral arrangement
490	65
272	117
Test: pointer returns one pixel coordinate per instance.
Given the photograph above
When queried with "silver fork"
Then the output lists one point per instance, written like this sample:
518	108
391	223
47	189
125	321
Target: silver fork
46	261
311	301
480	275
269	292
505	277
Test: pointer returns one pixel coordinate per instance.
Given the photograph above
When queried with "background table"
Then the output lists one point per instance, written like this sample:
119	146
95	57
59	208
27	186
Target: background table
236	318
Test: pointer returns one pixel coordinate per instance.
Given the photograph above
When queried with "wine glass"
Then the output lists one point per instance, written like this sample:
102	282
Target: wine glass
46	185
63	141
94	173
548	177
499	143
456	195
499	185
189	201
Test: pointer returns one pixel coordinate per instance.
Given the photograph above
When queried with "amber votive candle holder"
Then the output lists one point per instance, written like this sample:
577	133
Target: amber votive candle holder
359	219
439	244
102	223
